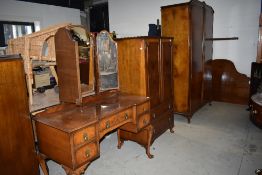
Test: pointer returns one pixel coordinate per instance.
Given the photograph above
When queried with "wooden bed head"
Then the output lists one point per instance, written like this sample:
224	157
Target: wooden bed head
228	85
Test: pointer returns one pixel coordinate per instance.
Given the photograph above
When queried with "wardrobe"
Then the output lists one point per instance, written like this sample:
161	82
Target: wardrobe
191	26
144	65
17	147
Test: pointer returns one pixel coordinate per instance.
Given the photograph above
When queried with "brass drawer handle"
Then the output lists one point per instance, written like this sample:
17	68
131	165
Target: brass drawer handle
87	153
107	124
85	136
126	116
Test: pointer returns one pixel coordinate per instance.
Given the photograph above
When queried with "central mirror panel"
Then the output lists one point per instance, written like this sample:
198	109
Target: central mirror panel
107	62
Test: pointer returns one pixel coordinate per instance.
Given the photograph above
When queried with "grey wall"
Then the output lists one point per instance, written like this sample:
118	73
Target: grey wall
232	18
42	15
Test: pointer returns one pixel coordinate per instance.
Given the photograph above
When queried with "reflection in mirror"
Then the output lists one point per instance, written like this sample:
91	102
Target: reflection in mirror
86	61
107	61
45	49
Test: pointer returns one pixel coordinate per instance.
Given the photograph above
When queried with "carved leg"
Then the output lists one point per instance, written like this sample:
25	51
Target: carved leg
78	171
42	163
171	124
150	135
120	141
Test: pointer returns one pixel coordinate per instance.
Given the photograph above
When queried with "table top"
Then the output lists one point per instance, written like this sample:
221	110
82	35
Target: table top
72	118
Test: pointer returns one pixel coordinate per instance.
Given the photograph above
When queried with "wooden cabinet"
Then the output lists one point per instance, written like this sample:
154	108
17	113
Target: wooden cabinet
191	25
145	70
18	155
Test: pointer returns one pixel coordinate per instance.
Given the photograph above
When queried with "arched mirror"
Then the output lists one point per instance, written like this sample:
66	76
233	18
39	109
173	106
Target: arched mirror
106	50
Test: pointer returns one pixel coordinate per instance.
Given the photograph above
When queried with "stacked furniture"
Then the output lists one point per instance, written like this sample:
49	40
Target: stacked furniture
17	150
191	25
145	70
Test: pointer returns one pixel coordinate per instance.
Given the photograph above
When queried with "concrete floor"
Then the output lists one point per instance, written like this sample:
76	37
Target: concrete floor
219	141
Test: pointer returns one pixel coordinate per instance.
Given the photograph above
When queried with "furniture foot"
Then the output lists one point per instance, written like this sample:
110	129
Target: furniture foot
120	141
172	130
150	135
78	171
188	119
149	155
42	163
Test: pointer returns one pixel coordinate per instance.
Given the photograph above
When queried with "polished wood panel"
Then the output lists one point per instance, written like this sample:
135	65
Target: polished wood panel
196	63
175	23
135	84
228	85
190	24
18	155
152	55
208	54
166	70
67	67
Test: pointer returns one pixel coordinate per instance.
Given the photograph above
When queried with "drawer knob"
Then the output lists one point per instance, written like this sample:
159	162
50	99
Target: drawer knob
154	115
87	153
169	106
144	121
85	136
107	124
254	112
126	116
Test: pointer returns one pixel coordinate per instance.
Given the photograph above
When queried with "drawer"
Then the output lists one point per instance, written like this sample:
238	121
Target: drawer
112	122
163	123
86	153
256	114
142	108
162	108
143	120
85	135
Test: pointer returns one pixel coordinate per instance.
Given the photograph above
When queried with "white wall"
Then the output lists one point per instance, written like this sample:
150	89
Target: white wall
46	15
237	18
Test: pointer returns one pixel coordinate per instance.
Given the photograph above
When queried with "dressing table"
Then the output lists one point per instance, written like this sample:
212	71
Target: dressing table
91	104
86	101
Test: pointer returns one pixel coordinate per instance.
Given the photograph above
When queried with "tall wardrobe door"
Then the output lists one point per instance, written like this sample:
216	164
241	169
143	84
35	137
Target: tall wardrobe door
166	55
152	56
197	25
17	153
175	23
208	53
